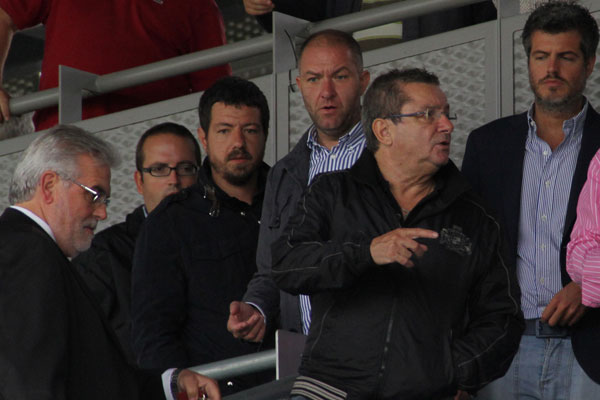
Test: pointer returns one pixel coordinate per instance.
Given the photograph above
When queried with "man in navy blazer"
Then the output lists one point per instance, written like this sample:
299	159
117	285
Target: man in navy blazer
530	169
55	342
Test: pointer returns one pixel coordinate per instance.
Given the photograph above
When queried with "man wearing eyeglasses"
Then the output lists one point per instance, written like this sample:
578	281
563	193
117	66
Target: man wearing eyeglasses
167	158
196	251
55	341
411	297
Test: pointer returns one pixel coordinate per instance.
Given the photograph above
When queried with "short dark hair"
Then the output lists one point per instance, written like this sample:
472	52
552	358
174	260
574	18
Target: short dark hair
336	37
233	91
169	128
386	96
563	16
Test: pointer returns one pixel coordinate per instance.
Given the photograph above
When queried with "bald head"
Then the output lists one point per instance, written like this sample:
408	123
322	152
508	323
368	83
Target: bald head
333	38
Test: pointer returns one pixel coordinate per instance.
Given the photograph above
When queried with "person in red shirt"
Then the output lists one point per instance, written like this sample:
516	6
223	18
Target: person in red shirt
113	35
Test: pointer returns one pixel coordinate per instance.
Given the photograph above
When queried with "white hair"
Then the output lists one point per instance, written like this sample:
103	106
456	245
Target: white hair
57	150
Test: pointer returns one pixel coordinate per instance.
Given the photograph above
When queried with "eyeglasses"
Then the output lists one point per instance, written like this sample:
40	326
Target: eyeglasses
430	115
181	169
98	195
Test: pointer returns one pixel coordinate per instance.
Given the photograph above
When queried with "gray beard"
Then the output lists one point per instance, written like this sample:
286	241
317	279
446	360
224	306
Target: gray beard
570	103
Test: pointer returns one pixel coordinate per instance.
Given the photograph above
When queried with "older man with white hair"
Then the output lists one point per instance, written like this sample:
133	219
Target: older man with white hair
55	342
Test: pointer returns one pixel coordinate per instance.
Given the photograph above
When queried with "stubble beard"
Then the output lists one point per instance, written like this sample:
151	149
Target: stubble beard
569	103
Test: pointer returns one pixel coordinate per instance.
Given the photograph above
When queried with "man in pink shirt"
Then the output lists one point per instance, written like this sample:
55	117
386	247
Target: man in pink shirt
583	251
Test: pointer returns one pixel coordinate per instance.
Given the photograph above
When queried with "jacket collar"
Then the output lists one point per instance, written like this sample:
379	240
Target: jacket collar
212	191
449	184
297	161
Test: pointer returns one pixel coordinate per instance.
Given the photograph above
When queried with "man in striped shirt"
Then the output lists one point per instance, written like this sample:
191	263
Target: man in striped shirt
530	169
331	80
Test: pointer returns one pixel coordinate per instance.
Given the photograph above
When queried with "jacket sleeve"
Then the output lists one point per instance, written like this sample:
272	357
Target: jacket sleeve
262	291
306	259
158	304
494	319
94	266
35	319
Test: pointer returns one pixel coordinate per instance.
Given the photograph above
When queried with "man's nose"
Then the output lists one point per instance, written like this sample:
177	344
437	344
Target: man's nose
237	137
327	88
552	65
445	124
100	212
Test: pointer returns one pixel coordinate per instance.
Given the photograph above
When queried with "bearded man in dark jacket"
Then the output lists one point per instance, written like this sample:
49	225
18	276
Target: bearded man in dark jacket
412	298
196	252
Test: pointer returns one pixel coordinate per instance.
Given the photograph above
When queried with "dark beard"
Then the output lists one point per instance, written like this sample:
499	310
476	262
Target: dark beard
240	179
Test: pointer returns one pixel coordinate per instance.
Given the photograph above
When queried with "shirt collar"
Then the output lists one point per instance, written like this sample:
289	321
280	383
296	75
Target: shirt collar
43	224
573	125
347	139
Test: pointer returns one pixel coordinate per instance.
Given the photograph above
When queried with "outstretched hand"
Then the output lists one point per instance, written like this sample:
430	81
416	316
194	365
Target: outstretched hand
245	322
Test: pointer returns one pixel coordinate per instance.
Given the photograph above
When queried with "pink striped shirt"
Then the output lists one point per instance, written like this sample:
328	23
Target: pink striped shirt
583	251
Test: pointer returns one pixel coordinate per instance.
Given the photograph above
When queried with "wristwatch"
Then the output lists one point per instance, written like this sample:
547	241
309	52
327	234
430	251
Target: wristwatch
174	386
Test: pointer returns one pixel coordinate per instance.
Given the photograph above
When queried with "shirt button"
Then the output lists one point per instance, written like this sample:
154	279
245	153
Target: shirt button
334	156
541	280
547	183
243	214
545	152
543	247
544	218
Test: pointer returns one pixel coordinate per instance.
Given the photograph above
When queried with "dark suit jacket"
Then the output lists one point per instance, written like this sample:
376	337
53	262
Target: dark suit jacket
54	341
493	163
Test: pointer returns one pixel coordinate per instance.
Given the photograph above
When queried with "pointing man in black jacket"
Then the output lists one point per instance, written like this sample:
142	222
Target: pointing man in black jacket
411	296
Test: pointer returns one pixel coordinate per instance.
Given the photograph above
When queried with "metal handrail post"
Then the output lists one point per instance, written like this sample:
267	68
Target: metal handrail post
238	365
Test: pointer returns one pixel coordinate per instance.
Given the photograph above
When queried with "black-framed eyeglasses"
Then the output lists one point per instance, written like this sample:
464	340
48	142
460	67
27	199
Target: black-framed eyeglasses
181	169
430	115
98	195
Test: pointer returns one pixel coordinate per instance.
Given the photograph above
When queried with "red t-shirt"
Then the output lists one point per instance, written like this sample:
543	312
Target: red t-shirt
112	35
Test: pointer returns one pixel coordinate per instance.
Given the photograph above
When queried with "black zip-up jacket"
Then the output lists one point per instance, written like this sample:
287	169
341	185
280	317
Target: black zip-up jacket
106	269
195	255
453	321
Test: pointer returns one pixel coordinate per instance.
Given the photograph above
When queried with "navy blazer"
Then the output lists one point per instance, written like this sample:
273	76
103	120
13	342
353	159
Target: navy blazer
54	341
493	164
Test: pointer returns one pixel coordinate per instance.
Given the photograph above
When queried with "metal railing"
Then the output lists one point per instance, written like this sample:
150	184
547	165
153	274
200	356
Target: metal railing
238	365
232	52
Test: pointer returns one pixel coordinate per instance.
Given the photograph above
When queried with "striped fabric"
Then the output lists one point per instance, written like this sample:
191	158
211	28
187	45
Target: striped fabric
583	252
341	156
315	390
547	177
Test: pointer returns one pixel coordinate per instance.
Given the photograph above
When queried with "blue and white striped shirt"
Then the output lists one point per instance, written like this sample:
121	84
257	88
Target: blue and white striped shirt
341	156
545	190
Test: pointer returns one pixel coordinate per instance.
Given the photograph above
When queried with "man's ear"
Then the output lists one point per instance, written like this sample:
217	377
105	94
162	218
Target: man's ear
49	182
589	68
202	138
139	180
381	130
365	78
